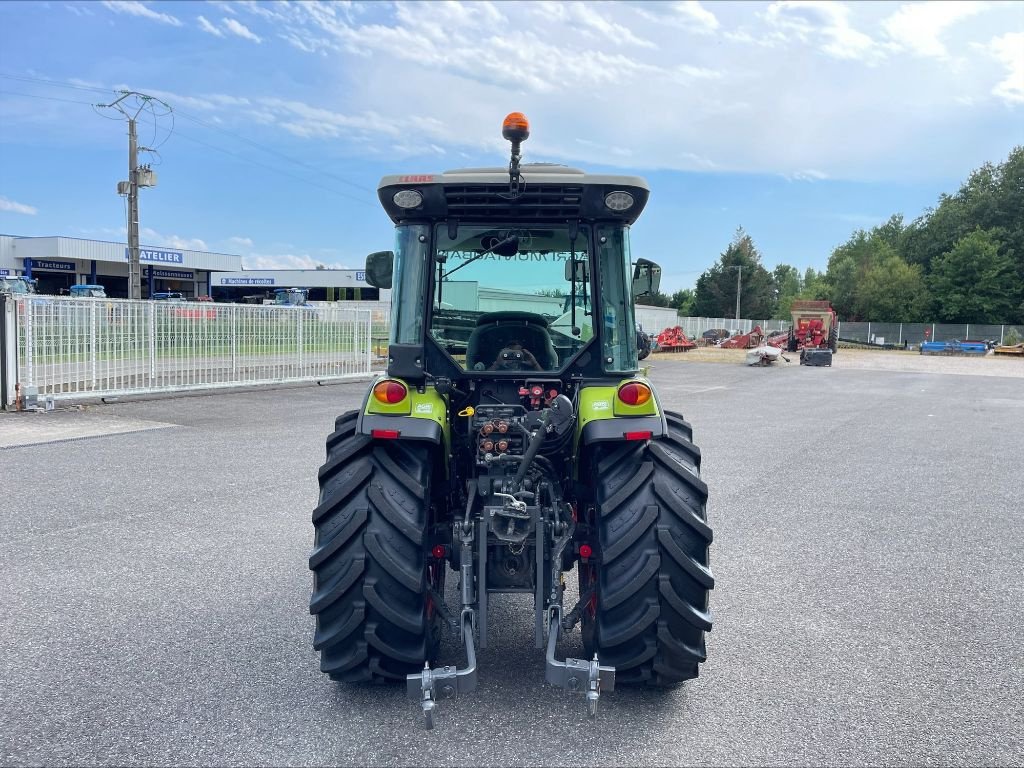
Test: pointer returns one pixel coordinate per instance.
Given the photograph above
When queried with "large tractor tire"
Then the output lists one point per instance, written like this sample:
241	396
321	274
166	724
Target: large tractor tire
374	616
648	610
791	341
833	339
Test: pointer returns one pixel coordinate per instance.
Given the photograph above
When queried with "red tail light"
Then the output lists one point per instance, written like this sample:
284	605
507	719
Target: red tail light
390	391
634	393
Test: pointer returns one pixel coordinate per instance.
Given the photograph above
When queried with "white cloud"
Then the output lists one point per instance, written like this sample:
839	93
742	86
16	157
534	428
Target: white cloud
152	237
284	261
206	26
13	207
240	242
135	8
589	22
686	14
917	27
79	10
823	24
239	29
1009	49
225	7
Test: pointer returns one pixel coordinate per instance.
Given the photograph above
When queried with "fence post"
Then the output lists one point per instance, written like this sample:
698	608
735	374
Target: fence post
8	350
92	345
369	341
933	332
301	343
151	311
967	331
901	335
234	342
870	340
1002	331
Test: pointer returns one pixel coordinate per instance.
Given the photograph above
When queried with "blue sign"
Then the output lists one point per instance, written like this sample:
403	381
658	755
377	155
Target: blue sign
169	274
53	266
159	257
360	276
246	281
4	272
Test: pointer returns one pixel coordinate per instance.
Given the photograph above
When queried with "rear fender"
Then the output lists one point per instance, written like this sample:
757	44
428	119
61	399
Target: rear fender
603	417
423	415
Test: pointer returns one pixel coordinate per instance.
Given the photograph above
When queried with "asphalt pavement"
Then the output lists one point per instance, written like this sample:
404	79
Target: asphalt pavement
869	552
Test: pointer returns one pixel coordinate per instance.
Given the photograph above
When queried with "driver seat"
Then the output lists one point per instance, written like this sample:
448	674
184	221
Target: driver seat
496	330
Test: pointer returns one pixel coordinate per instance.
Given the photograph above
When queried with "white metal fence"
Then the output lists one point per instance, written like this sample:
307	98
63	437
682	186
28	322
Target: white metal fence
65	348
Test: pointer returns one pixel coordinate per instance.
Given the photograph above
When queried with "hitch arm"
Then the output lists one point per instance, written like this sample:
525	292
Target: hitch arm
451	681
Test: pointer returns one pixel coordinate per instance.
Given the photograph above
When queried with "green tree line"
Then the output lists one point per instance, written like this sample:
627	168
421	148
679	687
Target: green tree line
960	262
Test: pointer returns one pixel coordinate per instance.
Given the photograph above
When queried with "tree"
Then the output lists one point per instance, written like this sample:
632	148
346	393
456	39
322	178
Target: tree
894	290
654	299
716	287
787	287
683	301
973	282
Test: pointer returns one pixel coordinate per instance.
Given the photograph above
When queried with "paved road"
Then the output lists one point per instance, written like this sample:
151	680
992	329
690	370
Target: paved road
869	546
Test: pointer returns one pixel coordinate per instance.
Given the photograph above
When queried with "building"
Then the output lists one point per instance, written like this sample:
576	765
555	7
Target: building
57	263
323	284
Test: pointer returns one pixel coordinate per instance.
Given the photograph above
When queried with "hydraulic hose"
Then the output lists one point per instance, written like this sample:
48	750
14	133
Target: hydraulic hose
531	452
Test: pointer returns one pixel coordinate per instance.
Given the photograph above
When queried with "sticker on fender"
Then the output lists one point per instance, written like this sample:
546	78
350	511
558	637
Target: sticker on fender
424	408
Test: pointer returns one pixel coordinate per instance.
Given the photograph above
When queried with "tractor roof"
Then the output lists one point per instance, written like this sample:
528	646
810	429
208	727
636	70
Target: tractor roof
547	193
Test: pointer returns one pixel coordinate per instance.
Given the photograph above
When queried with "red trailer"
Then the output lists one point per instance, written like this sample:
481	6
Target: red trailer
815	332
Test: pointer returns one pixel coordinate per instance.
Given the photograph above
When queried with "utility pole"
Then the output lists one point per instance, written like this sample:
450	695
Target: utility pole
739	284
134	267
137	177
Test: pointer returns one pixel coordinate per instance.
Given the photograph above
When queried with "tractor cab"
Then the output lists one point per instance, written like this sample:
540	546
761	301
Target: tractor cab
291	297
501	271
88	292
17	286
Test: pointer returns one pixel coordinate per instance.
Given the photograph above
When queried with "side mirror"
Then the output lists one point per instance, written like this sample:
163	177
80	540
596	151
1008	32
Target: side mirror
582	273
379	268
646	278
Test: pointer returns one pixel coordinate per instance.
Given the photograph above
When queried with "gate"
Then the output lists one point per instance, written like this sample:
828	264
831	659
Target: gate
65	348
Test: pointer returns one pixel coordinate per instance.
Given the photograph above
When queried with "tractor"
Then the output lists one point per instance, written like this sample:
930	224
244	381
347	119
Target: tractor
511	441
815	332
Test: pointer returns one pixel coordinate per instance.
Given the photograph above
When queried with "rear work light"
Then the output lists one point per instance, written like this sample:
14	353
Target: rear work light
390	391
618	201
634	393
408	198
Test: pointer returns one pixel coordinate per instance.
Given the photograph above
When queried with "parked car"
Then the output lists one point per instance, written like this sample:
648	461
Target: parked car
713	336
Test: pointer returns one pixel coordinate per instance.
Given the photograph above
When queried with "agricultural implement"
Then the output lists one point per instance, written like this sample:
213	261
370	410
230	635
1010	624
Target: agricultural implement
975	348
745	340
815	332
510	442
674	340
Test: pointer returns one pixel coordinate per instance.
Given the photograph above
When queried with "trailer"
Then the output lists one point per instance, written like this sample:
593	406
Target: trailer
815	332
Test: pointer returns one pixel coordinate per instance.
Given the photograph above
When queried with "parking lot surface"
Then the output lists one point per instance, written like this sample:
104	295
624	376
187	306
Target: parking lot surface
869	546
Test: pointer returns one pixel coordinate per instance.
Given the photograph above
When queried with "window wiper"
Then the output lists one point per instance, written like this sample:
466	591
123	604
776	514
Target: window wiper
511	239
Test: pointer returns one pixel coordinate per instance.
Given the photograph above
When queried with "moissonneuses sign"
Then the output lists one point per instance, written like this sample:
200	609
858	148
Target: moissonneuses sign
157	256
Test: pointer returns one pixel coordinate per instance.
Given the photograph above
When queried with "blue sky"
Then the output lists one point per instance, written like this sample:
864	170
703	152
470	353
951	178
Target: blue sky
800	121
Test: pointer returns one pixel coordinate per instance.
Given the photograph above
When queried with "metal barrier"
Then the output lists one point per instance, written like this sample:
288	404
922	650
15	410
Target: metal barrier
915	333
68	348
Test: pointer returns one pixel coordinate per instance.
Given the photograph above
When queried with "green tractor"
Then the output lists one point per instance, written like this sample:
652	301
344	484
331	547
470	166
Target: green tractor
511	441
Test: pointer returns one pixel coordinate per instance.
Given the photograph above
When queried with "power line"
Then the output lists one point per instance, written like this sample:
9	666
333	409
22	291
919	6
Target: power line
195	119
283	156
58	83
250	161
48	98
235	155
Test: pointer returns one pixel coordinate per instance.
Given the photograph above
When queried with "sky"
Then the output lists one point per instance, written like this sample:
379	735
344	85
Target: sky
798	121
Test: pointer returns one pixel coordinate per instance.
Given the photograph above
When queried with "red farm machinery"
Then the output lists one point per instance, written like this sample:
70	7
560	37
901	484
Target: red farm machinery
815	332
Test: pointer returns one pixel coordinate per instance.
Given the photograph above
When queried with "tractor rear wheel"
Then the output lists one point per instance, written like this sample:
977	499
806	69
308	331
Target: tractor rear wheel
648	606
374	616
833	339
791	341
